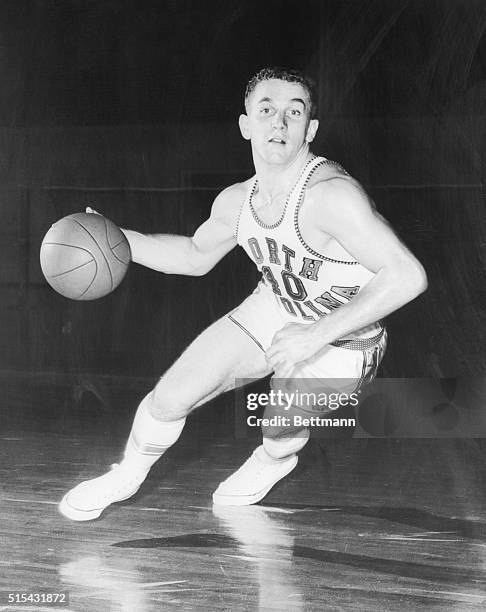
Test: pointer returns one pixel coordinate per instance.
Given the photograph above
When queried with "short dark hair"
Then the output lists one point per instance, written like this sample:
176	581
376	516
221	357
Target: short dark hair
285	74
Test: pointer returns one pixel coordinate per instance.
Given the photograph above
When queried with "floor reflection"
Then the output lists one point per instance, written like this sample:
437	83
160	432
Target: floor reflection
114	584
269	543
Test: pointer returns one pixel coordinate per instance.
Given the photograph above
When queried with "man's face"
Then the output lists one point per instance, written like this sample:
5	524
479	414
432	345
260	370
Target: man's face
278	121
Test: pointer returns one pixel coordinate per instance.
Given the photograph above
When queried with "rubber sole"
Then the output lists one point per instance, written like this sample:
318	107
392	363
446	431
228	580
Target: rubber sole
248	500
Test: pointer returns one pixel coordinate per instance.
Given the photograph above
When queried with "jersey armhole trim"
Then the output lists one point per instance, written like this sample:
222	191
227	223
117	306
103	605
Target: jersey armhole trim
296	218
240	212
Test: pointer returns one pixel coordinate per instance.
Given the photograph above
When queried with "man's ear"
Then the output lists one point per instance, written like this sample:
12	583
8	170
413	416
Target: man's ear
244	126
312	130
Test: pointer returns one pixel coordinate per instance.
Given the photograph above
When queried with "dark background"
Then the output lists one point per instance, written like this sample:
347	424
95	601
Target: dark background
131	107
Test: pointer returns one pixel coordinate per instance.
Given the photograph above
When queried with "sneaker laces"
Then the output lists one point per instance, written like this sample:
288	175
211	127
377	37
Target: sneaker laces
130	477
118	481
256	466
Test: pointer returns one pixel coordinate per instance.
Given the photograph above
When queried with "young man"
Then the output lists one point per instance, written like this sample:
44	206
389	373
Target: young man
331	270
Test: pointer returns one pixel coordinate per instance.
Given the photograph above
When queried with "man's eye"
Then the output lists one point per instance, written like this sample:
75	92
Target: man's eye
295	112
265	110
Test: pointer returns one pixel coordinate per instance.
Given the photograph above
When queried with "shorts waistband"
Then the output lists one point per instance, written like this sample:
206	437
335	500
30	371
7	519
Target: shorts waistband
360	344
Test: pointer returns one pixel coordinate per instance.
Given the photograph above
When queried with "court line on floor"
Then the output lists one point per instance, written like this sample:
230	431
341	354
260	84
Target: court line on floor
55	503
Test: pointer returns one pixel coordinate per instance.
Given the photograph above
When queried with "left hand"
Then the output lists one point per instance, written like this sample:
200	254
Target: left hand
293	343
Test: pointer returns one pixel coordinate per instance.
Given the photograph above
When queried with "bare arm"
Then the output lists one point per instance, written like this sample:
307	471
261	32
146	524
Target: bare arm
196	255
347	215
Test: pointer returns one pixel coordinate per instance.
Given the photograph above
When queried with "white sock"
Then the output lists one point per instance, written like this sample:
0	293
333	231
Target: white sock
282	448
149	439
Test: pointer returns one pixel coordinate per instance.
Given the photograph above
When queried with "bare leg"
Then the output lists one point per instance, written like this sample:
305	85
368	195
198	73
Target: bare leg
211	365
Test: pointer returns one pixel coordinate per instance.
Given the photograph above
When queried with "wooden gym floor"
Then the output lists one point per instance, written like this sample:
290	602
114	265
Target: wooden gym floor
361	524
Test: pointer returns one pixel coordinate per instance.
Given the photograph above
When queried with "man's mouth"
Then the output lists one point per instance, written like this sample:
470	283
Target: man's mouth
277	140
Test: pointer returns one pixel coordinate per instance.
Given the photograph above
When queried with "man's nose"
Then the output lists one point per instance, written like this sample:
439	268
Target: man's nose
279	120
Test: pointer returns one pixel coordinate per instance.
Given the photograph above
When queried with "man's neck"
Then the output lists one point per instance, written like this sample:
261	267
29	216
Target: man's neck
277	180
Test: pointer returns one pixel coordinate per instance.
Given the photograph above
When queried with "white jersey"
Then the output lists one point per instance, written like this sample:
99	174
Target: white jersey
306	284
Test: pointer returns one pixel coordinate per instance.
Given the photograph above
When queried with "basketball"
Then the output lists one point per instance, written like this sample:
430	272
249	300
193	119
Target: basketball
84	256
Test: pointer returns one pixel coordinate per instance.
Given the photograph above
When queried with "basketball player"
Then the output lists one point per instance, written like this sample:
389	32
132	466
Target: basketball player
332	269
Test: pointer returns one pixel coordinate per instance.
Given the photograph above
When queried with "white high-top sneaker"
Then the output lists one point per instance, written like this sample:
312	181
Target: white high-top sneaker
88	499
253	480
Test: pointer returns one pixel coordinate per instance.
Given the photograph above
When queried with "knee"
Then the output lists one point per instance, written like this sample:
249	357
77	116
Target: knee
165	404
